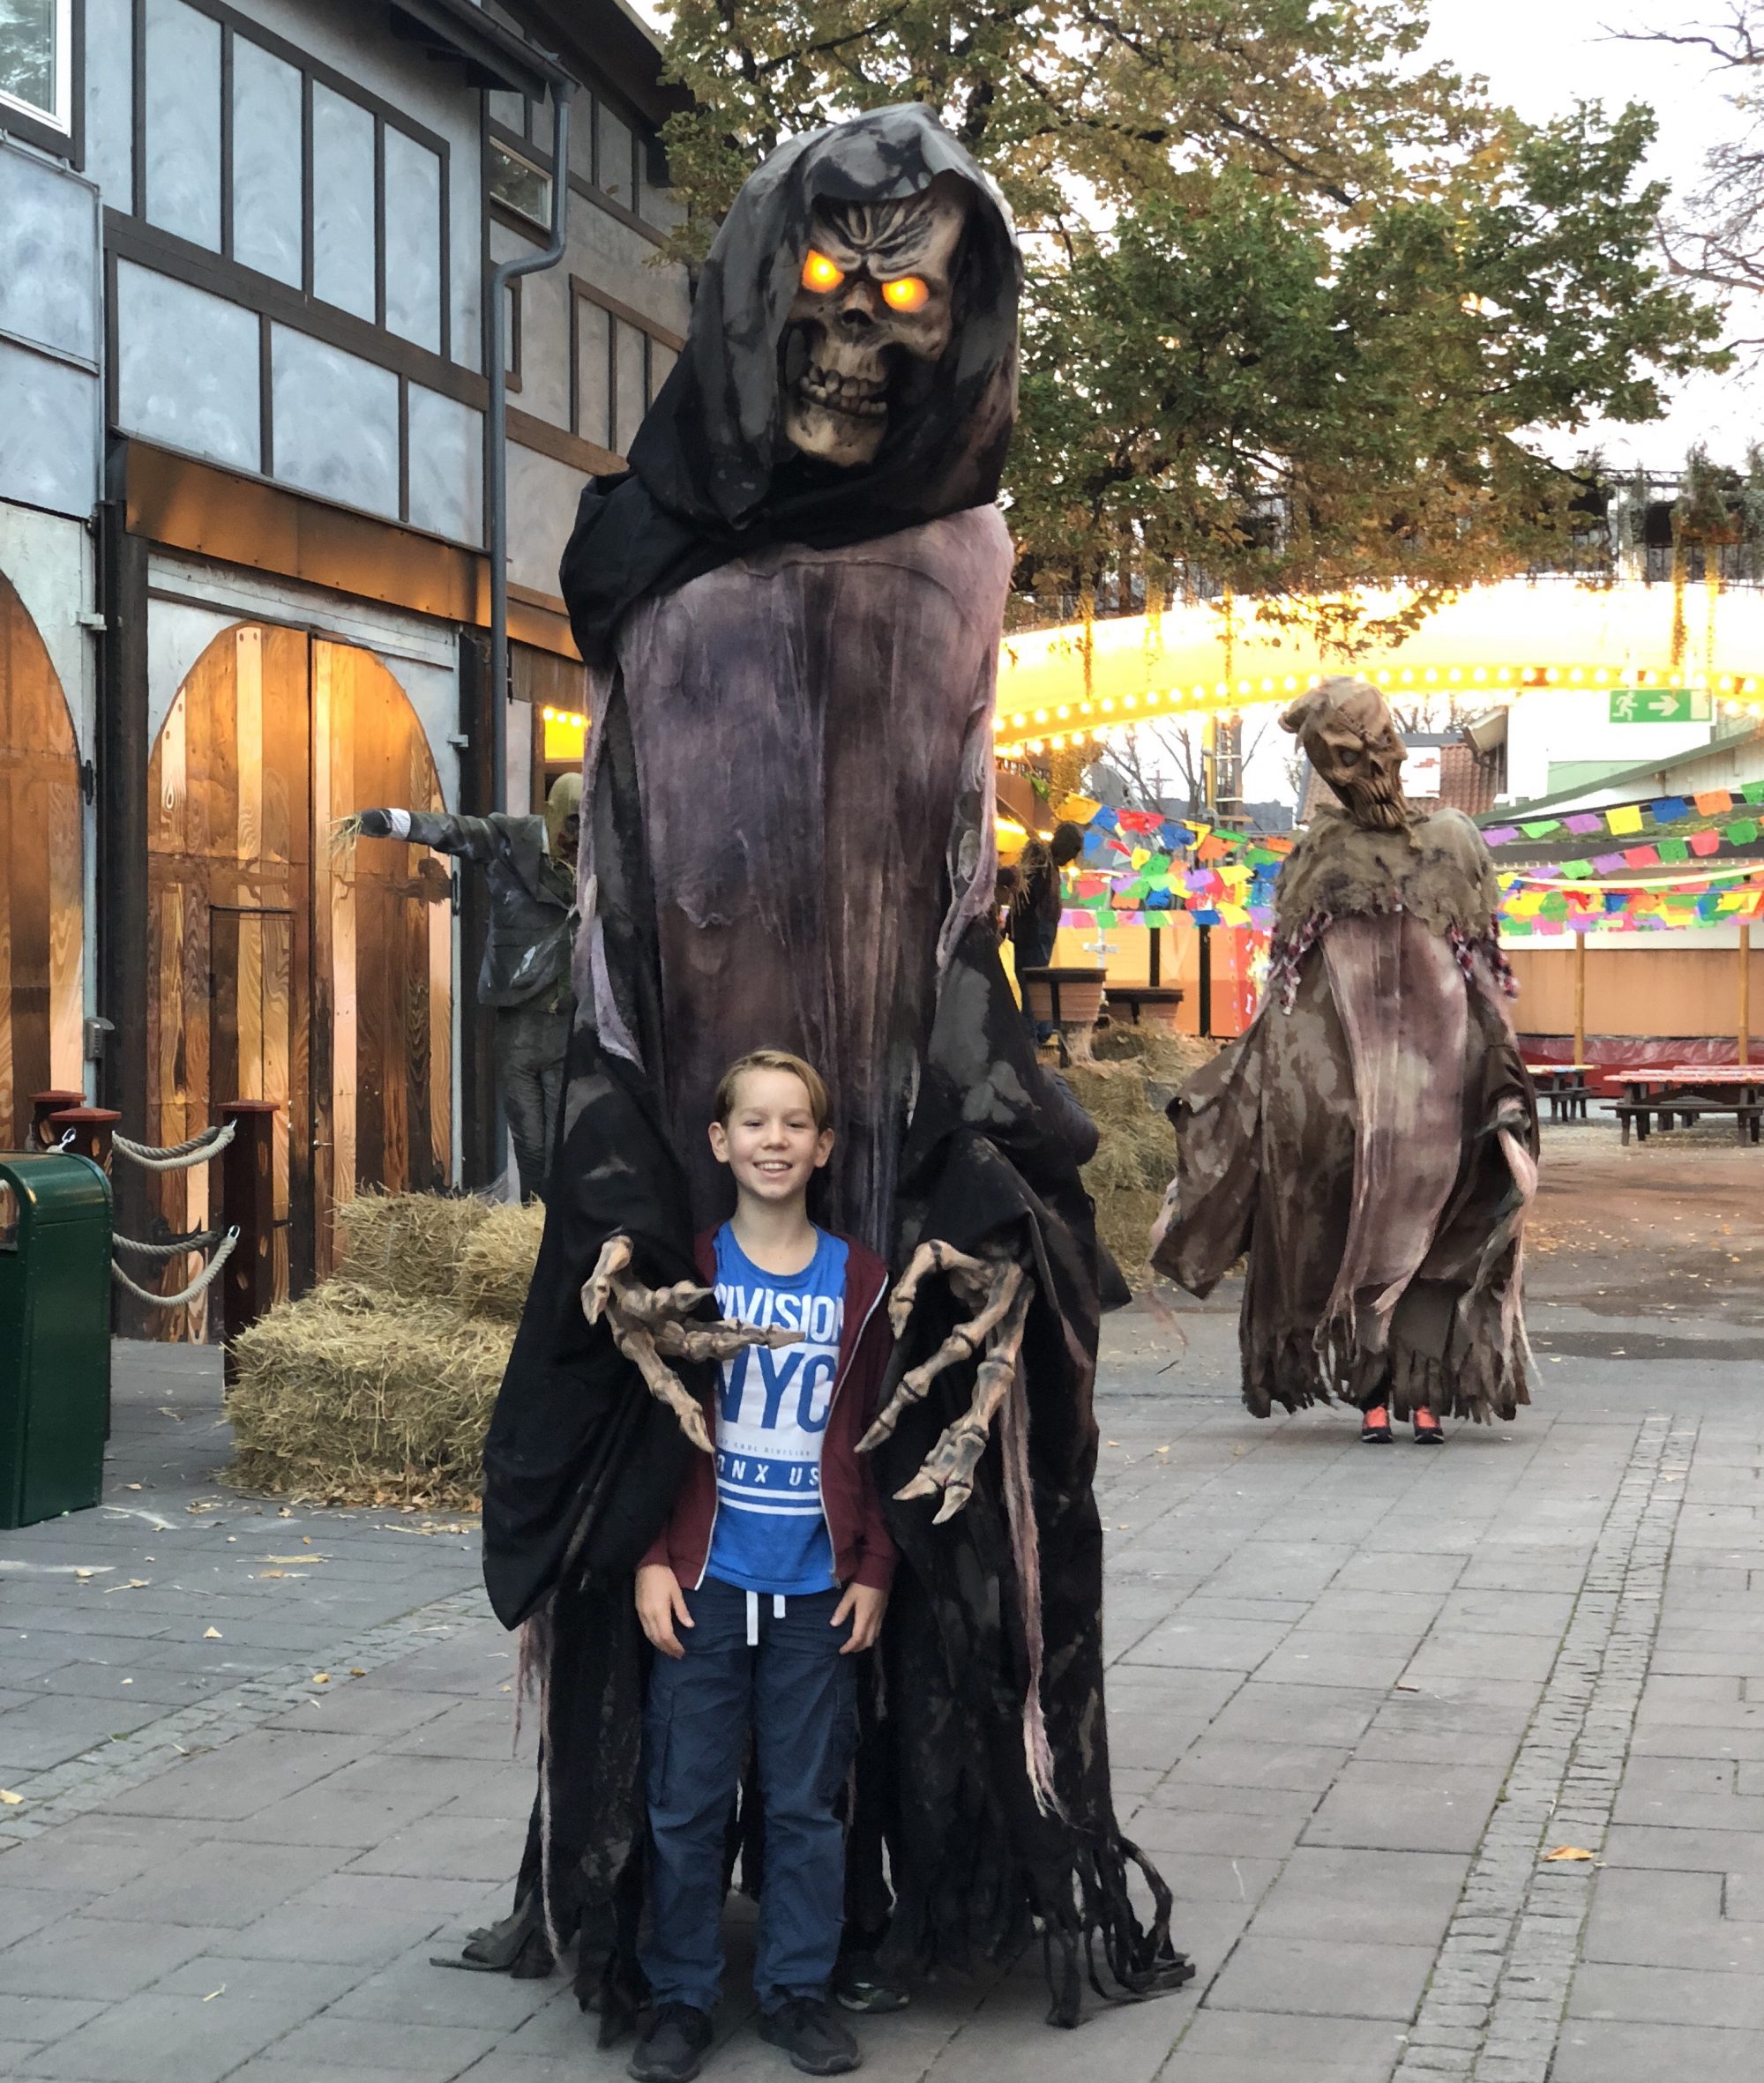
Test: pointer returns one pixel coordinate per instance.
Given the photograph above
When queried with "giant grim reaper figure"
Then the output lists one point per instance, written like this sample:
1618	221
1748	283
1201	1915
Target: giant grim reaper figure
1370	1142
792	603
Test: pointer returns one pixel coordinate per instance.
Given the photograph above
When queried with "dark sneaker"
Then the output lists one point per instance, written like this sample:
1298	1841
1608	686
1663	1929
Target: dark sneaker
814	2039
859	1985
672	2047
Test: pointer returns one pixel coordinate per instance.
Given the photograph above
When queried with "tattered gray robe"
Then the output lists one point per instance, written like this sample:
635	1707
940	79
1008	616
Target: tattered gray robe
1371	1140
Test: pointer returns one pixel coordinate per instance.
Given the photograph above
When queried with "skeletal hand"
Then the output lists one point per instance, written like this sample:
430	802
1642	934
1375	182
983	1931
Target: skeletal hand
997	1289
652	1326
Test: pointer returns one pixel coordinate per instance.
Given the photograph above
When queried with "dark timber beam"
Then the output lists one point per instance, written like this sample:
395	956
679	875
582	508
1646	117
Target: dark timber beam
483	1140
123	752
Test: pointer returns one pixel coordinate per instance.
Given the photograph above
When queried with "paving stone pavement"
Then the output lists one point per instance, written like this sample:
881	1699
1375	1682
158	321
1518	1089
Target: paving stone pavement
1356	1696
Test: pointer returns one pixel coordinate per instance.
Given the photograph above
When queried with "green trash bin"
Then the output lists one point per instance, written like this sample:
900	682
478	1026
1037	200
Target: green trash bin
55	1334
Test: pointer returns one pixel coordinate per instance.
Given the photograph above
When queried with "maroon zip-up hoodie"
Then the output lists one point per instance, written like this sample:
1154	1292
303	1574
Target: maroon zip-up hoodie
862	1550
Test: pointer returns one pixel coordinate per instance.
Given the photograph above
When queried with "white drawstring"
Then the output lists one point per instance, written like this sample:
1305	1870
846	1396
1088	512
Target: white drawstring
753	1619
778	1605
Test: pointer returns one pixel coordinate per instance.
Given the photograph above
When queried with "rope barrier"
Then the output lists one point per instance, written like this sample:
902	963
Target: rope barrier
197	1287
177	1157
197	1242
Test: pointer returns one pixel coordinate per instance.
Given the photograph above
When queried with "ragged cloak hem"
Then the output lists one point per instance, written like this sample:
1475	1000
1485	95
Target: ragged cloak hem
1369	1144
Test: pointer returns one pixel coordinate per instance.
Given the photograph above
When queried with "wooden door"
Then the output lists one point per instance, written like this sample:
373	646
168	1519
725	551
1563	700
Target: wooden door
251	1017
40	922
382	949
229	887
285	968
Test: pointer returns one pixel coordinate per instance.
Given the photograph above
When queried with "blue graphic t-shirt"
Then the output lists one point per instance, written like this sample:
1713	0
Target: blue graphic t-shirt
771	1534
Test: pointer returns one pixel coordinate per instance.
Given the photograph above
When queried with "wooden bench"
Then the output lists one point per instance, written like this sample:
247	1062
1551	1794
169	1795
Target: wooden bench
1684	1110
1138	1000
1565	1086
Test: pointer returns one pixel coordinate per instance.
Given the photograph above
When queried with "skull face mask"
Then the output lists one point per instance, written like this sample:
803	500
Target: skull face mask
873	306
1349	738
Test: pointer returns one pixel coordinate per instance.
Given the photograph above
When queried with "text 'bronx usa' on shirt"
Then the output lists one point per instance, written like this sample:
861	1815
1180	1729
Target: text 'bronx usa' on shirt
771	1534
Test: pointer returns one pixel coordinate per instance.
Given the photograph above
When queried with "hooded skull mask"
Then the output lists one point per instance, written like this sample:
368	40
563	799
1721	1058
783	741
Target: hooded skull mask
563	817
1349	738
850	369
876	298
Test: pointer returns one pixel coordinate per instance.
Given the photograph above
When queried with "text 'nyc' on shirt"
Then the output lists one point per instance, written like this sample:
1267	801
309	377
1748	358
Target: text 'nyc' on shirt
771	1534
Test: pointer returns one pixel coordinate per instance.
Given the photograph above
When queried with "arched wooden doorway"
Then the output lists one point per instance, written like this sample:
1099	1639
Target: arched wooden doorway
283	967
40	875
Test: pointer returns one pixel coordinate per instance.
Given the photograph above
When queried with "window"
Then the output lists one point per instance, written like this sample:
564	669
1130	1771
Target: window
518	184
253	150
36	59
621	362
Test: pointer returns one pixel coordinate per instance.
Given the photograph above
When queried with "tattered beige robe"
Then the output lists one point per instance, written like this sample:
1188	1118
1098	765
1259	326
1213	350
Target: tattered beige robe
1371	1141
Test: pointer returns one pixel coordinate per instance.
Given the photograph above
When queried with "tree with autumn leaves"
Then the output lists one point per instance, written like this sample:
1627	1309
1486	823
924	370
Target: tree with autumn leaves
1300	309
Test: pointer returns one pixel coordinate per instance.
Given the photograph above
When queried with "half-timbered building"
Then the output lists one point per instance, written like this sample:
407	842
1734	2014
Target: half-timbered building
255	264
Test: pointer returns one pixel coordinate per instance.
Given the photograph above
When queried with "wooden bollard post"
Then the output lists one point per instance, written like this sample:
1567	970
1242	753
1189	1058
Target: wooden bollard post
248	1199
93	1128
42	1105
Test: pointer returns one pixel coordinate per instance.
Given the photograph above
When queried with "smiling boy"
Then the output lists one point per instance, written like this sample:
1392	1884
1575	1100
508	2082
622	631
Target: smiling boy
770	1576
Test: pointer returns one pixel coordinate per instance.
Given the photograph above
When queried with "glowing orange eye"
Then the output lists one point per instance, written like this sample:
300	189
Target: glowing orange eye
906	293
819	272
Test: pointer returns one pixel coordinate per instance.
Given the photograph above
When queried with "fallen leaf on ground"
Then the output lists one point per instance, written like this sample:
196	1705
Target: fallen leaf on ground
211	1634
85	1573
213	1993
1568	1851
11	1799
301	1559
1401	1687
321	1677
355	1671
134	1584
284	1512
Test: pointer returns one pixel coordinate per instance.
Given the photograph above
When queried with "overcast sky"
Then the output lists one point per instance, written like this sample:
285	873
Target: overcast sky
1539	55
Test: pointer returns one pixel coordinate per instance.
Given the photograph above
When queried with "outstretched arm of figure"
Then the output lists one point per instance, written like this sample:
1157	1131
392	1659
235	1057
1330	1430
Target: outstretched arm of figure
652	1326
998	1286
473	838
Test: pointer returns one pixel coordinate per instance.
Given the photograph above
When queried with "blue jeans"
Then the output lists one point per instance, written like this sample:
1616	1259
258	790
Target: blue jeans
1033	949
797	1695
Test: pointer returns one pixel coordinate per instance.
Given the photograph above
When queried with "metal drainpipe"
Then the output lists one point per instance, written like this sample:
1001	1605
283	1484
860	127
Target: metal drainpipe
496	439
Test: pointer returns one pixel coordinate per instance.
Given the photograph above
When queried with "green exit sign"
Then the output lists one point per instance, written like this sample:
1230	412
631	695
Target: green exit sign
1659	705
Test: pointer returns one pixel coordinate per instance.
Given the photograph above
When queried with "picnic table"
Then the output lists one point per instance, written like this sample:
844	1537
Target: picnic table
1565	1086
1683	1093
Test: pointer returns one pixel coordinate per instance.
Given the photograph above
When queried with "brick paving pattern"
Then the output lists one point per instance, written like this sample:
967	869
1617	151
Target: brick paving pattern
1356	1696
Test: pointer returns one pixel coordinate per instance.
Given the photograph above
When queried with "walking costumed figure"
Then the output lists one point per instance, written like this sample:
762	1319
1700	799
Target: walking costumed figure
792	605
1371	1141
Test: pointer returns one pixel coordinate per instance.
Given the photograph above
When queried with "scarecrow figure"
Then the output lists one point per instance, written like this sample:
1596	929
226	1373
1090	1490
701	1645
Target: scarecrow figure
1372	1139
531	864
792	603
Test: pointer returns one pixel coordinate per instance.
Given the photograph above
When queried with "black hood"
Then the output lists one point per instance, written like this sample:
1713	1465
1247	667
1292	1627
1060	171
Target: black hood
712	476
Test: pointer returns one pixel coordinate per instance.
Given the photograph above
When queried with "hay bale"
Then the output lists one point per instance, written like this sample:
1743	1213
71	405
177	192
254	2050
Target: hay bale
1134	1161
341	1399
497	1261
1123	1223
1166	1057
408	1244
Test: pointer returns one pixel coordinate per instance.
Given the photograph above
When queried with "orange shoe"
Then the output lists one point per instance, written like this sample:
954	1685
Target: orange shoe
1427	1431
1375	1426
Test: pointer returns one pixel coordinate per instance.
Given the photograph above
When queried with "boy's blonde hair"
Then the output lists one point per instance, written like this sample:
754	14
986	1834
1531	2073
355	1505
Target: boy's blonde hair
774	1059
